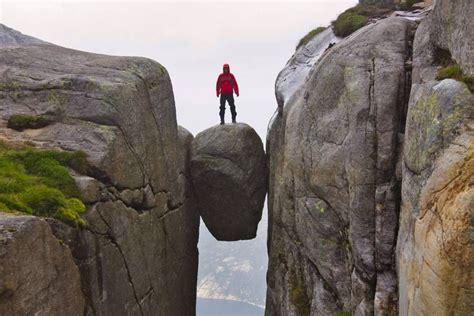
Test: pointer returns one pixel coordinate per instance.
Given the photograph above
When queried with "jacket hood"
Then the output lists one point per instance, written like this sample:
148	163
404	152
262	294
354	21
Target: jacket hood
225	66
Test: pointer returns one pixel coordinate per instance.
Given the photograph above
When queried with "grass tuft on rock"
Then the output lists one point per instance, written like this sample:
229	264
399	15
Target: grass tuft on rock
357	17
37	182
309	36
454	71
347	23
20	122
342	313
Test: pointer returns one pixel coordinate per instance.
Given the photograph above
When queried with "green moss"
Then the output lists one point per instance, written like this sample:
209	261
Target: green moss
450	71
347	23
21	122
37	182
469	81
298	296
355	18
342	313
454	71
310	36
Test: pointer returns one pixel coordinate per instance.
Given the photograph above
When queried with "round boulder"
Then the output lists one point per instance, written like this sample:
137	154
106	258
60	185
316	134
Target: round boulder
230	178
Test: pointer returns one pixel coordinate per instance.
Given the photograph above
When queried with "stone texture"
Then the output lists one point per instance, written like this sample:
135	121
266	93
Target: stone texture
451	27
229	174
334	192
37	271
138	253
435	248
292	76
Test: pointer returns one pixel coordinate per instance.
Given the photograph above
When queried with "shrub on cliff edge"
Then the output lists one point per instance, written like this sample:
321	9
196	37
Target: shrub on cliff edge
357	17
310	36
347	23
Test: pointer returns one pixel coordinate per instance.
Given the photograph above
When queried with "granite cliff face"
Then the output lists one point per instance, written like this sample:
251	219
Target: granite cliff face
435	248
32	261
333	185
370	196
137	254
370	167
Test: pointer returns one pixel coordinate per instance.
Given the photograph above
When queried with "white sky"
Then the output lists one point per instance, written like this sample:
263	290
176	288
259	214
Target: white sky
191	39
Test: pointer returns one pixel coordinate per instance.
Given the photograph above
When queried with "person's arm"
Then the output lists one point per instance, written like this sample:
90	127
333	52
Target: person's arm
218	85
236	86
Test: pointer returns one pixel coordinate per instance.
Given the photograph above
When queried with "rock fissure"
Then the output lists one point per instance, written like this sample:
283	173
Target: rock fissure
327	285
157	124
113	241
359	84
136	178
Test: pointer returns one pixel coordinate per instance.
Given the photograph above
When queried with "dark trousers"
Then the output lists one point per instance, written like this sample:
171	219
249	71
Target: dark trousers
230	99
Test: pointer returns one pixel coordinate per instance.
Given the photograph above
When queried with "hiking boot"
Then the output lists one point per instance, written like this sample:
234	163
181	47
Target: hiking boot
234	121
222	122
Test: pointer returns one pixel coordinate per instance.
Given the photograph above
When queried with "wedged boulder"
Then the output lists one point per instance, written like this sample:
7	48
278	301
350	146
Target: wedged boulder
229	174
137	253
38	275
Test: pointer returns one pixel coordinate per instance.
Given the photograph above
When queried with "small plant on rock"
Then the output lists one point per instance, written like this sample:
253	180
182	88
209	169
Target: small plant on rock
357	17
310	36
449	68
20	122
37	182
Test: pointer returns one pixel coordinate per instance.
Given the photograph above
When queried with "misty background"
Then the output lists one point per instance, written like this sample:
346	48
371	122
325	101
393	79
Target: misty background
192	40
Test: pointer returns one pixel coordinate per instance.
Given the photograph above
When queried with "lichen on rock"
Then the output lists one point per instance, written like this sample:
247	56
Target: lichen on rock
434	241
334	191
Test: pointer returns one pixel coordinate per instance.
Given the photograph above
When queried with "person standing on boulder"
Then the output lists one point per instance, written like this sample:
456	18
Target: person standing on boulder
225	87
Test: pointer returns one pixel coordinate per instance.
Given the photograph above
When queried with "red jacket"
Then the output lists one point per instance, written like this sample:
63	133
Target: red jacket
226	84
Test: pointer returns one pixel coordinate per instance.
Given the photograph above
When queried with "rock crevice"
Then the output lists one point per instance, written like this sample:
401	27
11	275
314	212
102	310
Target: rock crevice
369	211
141	218
345	172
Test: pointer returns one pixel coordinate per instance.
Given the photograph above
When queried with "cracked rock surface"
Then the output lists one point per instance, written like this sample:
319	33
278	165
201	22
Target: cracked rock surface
334	190
229	174
138	253
435	247
37	273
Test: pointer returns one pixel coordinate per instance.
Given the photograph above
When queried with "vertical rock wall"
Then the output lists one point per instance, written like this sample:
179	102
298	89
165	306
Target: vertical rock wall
137	255
333	187
435	248
37	273
367	121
